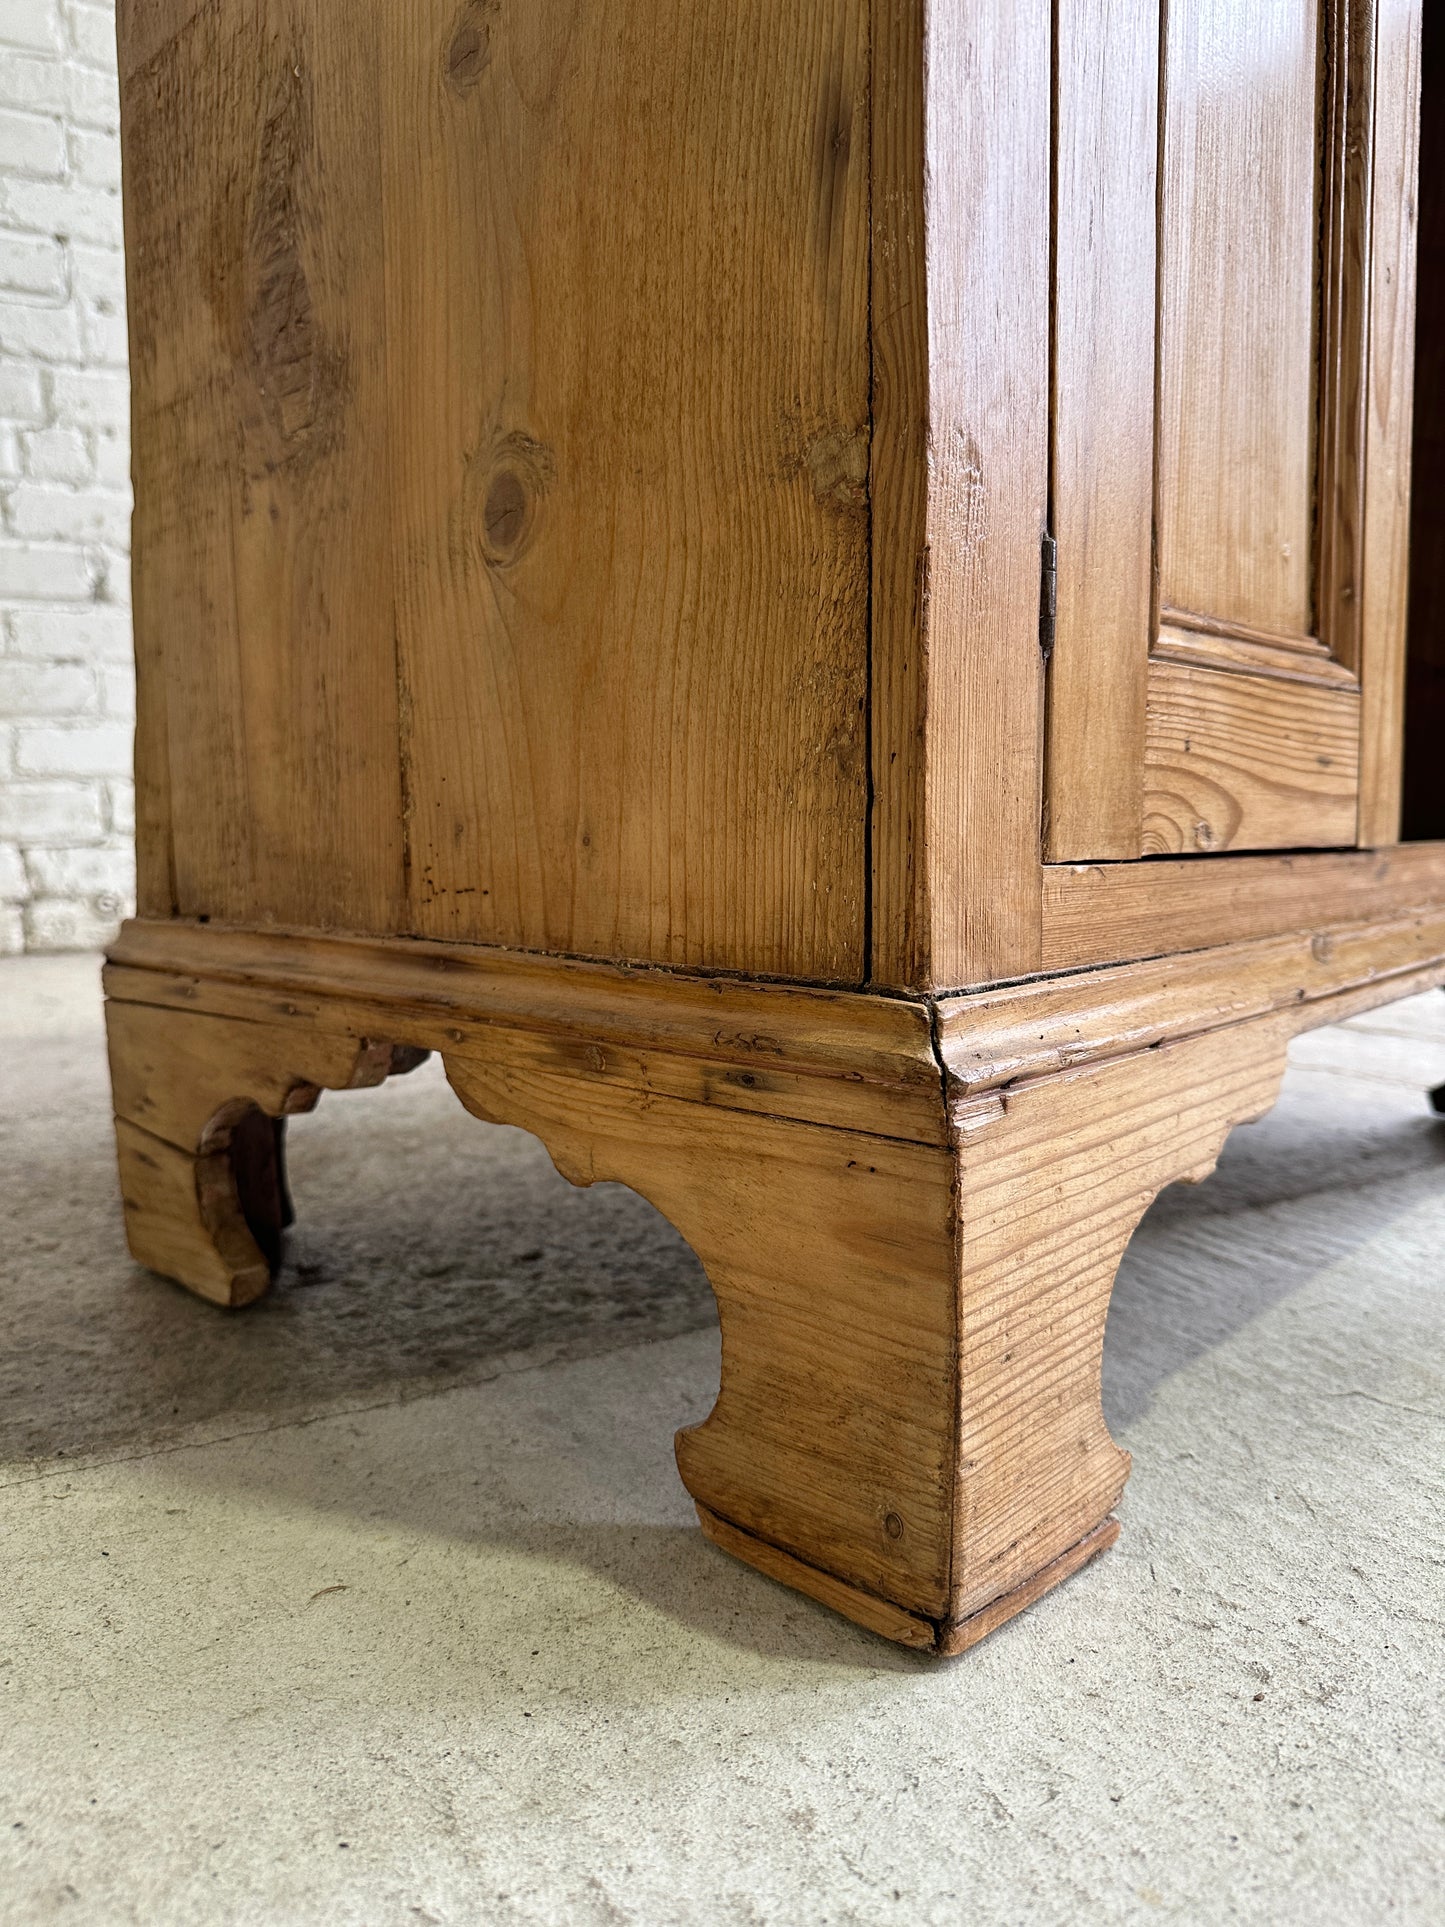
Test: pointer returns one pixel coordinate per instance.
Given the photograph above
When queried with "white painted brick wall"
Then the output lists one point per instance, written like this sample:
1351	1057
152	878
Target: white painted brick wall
66	688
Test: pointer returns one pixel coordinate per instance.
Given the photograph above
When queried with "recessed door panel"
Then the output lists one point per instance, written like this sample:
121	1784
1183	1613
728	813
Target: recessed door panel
1214	264
1238	262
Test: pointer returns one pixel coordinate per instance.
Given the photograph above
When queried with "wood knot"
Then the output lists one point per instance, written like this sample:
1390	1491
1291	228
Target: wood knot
505	487
838	467
469	46
505	514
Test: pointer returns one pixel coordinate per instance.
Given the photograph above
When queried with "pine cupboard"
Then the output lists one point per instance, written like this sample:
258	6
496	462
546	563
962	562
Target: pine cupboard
816	595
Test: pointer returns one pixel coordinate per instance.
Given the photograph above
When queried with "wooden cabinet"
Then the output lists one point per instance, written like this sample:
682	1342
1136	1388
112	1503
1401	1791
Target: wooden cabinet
813	592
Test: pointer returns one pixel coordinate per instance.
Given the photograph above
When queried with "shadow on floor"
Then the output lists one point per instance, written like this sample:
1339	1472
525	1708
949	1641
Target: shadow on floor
429	1248
1209	1258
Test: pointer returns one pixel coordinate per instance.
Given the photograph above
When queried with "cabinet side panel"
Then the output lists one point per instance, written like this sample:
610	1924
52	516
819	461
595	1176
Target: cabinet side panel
627	278
192	817
262	528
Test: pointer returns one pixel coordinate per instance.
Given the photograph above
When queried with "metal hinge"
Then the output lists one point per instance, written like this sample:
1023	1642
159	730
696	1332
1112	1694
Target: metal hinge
1049	598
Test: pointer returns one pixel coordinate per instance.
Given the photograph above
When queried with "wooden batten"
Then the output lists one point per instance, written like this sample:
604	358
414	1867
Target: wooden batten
1100	913
1106	90
960	486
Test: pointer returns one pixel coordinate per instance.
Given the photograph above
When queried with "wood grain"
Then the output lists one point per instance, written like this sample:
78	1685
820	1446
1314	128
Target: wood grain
524	353
204	1195
1056	1023
1237	338
958	692
961	1635
145	26
193	820
628	331
184	1219
1102	496
471	609
832	1435
1247	762
591	467
1053	1180
1281	659
1285	284
903	854
1385	563
262	547
948	1637
302	258
1111	912
878	1615
814	1054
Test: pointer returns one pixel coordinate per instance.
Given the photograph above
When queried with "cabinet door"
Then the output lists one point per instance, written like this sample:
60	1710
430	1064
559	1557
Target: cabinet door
1228	273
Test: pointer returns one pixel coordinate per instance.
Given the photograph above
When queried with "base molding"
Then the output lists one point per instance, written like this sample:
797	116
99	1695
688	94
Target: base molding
864	1608
911	1210
948	1639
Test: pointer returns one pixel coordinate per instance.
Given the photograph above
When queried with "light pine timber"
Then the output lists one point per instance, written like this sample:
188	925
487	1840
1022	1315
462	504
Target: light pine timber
1279	445
911	1211
729	849
1098	913
268	716
1241	143
1103	414
568	437
1240	761
503	425
961	107
186	1097
1389	420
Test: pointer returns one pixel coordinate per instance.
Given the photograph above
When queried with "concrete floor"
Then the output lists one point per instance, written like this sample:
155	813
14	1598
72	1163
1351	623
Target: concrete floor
381	1602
